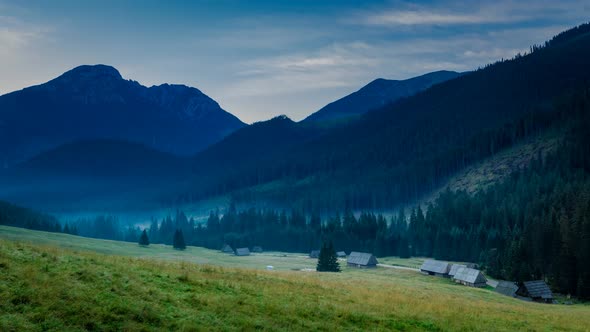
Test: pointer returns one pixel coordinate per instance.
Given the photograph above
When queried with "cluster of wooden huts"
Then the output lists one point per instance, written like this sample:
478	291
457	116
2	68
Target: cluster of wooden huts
227	249
462	274
469	275
355	259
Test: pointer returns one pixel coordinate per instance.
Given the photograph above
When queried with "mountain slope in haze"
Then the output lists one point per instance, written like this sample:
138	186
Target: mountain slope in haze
377	94
95	102
397	154
253	144
101	158
99	174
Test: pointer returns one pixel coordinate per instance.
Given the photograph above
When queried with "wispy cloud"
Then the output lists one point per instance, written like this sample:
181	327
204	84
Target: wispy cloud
425	17
473	12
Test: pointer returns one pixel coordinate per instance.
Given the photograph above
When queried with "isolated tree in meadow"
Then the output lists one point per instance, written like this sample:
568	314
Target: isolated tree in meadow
328	261
178	240
143	239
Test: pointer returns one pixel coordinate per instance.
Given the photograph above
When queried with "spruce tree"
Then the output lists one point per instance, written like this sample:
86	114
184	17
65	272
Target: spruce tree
143	239
178	240
328	261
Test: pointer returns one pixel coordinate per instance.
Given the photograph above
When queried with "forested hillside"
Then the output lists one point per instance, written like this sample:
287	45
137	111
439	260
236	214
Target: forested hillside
394	155
13	215
535	224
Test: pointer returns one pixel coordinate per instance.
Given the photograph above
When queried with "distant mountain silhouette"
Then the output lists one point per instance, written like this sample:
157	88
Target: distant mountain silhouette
377	94
95	102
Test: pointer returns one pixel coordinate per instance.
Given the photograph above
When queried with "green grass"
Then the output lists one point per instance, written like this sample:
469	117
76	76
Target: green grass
82	285
279	260
414	262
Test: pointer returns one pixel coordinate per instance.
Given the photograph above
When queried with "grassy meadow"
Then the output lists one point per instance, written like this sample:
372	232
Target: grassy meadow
59	282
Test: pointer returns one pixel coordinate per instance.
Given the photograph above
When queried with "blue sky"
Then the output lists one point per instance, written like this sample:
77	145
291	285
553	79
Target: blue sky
259	59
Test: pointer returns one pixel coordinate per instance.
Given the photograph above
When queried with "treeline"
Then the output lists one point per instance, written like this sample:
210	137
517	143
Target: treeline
287	231
16	216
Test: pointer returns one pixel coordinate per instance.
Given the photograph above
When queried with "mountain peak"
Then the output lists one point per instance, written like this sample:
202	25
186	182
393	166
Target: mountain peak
92	72
378	93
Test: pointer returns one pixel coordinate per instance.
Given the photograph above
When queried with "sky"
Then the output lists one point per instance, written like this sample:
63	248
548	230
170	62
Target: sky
261	59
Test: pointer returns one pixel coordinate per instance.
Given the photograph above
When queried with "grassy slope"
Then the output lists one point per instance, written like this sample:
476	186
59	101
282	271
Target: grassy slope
46	287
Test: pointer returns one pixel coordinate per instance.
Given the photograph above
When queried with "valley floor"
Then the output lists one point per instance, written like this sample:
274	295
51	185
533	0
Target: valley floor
67	283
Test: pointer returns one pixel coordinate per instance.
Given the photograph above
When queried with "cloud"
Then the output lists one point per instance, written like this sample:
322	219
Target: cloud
422	17
473	13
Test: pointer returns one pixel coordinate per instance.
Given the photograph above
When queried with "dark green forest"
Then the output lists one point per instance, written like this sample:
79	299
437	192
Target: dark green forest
16	216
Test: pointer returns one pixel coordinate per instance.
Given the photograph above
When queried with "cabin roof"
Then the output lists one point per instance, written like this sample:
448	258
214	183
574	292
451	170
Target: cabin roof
242	252
538	289
454	268
431	265
507	288
361	258
471	276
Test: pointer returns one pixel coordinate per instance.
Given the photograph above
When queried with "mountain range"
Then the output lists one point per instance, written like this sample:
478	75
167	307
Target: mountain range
95	102
398	145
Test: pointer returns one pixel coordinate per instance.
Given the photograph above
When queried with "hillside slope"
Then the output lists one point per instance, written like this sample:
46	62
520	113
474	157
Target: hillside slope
45	288
397	154
377	94
95	102
93	174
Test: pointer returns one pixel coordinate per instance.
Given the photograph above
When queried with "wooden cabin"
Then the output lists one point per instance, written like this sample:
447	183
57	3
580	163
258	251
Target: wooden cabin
242	252
470	277
537	290
362	260
436	268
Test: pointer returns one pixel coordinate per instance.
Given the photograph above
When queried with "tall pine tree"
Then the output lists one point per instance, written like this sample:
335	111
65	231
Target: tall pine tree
328	261
178	240
143	239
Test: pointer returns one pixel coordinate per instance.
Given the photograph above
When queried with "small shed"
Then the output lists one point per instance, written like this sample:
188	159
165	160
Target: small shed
242	252
314	254
436	268
454	268
470	277
507	288
537	290
257	249
362	260
227	249
341	254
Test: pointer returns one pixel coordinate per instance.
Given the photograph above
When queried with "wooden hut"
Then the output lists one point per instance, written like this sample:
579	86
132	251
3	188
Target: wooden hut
436	268
314	254
470	277
257	249
227	249
536	290
507	288
362	260
242	252
341	254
